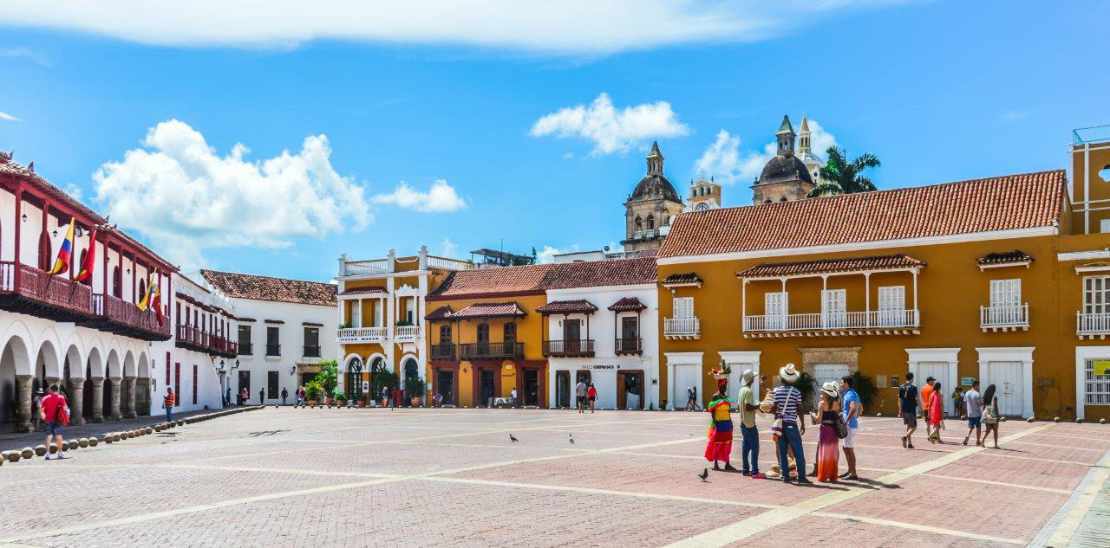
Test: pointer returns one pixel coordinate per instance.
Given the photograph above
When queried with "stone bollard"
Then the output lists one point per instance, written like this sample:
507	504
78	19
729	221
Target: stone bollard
40	450
106	438
93	442
12	456
83	443
27	453
1078	420
1055	419
71	445
1030	419
116	437
149	430
1102	421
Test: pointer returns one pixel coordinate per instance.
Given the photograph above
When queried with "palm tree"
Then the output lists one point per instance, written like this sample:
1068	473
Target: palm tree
843	177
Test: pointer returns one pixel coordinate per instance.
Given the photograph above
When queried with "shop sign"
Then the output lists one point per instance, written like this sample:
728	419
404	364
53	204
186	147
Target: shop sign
1100	367
602	366
967	381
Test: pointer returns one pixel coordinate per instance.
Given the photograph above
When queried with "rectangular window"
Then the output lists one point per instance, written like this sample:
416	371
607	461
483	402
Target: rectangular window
245	340
356	313
177	384
892	305
683	307
1096	294
410	311
311	342
194	384
630	327
177	316
1104	226
1005	293
1097	386
834	307
776	306
272	385
167	368
378	309
273	344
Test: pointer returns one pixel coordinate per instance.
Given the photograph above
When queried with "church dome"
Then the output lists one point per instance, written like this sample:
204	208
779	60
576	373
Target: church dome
784	168
655	185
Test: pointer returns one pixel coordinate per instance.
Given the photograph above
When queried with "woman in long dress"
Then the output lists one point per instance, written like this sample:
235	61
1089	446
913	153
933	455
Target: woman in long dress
828	444
719	446
936	413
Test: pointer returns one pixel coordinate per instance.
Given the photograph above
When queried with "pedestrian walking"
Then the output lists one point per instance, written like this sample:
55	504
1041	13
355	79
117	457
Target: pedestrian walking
691	398
749	433
828	446
580	395
926	401
718	448
908	399
227	397
958	401
261	396
54	411
385	396
591	395
395	397
244	396
284	395
168	401
36	409
300	395
851	409
974	402
788	399
512	397
991	415
936	413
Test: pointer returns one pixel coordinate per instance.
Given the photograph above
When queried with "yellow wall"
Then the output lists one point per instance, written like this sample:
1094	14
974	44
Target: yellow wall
951	289
1089	163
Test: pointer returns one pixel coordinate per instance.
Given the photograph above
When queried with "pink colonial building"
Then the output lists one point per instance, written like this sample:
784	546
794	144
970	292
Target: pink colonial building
88	336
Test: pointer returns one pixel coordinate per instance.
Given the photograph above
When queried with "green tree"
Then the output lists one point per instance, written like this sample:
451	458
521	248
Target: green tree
328	377
845	177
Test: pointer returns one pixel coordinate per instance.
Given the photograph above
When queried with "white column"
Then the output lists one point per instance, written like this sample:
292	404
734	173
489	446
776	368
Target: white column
824	289
785	304
867	299
743	304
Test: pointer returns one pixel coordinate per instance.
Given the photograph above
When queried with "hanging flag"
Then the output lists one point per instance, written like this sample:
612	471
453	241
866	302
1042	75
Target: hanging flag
144	304
61	264
156	299
90	260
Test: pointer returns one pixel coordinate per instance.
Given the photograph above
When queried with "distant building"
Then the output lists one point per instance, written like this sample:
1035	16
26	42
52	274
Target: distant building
704	195
785	177
651	207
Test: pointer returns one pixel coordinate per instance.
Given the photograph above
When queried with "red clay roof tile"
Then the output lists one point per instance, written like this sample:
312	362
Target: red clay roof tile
265	288
824	266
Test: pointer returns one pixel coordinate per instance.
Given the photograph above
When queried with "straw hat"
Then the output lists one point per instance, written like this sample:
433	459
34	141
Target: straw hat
789	373
831	389
747	377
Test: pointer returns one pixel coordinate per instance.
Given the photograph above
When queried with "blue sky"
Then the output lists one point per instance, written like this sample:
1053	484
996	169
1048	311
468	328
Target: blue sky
940	91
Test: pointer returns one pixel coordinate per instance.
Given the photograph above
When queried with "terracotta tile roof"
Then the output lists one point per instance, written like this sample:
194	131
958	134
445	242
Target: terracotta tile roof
682	278
515	280
265	288
1027	200
1015	256
627	304
577	306
488	310
825	266
441	313
364	291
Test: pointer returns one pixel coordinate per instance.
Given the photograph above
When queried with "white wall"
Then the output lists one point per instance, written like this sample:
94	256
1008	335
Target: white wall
604	330
291	340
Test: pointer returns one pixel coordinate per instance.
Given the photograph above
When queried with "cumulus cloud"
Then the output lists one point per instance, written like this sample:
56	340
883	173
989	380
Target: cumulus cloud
186	197
611	129
576	27
7	117
440	198
725	160
548	253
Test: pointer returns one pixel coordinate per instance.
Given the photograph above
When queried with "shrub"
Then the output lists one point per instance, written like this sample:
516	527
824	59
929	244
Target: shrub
865	387
313	390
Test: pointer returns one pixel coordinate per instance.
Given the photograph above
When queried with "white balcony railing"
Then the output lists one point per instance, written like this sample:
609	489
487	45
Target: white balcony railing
1092	324
834	320
362	334
407	333
681	327
363	268
444	263
1004	316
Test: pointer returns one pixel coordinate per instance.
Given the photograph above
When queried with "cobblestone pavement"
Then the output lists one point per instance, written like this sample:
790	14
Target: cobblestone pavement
352	477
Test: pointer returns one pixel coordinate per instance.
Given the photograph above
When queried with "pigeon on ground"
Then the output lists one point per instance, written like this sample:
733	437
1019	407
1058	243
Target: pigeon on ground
513	439
704	474
572	438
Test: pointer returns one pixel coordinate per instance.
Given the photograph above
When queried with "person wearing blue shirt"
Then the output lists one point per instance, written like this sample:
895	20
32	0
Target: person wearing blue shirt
851	409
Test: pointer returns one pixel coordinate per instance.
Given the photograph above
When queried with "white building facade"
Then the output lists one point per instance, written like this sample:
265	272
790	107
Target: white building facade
205	347
608	336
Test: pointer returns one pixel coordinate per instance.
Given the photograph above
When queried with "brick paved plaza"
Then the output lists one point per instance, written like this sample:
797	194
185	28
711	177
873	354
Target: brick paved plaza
453	477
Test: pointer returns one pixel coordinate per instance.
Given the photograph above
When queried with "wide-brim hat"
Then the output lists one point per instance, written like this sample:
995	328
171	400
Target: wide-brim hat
831	389
789	373
747	376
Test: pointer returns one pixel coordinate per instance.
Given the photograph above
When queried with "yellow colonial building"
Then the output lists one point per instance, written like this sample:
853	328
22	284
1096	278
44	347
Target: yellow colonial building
1003	279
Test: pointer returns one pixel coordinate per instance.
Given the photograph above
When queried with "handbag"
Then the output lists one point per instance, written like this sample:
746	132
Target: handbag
841	427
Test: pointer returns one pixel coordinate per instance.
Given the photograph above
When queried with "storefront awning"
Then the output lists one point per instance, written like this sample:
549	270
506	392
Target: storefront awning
832	266
1016	257
577	306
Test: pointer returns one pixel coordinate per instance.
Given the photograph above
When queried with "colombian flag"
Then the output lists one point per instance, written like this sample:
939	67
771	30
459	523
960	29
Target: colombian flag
144	304
65	253
156	298
90	260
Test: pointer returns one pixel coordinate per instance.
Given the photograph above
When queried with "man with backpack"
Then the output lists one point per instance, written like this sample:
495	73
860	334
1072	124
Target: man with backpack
55	413
908	401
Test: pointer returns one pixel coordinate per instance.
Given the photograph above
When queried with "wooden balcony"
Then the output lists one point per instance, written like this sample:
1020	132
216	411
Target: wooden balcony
491	351
443	352
40	294
875	322
1004	318
628	346
581	348
124	318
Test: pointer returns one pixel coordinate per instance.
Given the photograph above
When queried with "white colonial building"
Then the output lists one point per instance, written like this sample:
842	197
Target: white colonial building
205	346
86	335
602	327
285	329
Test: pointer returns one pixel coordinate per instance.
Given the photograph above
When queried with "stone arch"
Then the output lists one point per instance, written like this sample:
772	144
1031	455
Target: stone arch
347	361
94	364
129	368
48	362
110	395
94	374
112	367
353	370
144	366
73	367
15	361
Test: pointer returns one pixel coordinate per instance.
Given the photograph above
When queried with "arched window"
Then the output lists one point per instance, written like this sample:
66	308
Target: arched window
44	251
117	283
767	201
639	223
783	199
142	289
650	222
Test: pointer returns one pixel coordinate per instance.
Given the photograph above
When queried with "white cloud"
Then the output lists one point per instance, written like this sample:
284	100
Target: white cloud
611	130
576	26
74	191
548	253
727	163
7	117
440	198
186	197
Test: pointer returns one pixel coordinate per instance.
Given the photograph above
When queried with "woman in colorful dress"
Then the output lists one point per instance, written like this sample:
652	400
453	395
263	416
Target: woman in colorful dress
828	444
719	446
936	413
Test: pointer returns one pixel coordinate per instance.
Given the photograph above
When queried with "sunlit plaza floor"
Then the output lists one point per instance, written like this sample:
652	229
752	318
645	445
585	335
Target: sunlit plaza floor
282	477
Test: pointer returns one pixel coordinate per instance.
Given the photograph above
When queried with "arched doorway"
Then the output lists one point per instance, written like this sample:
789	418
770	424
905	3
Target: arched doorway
46	370
13	360
412	373
377	379
353	381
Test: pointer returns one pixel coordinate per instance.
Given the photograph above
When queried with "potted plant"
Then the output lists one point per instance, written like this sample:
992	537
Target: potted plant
415	387
312	392
340	397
